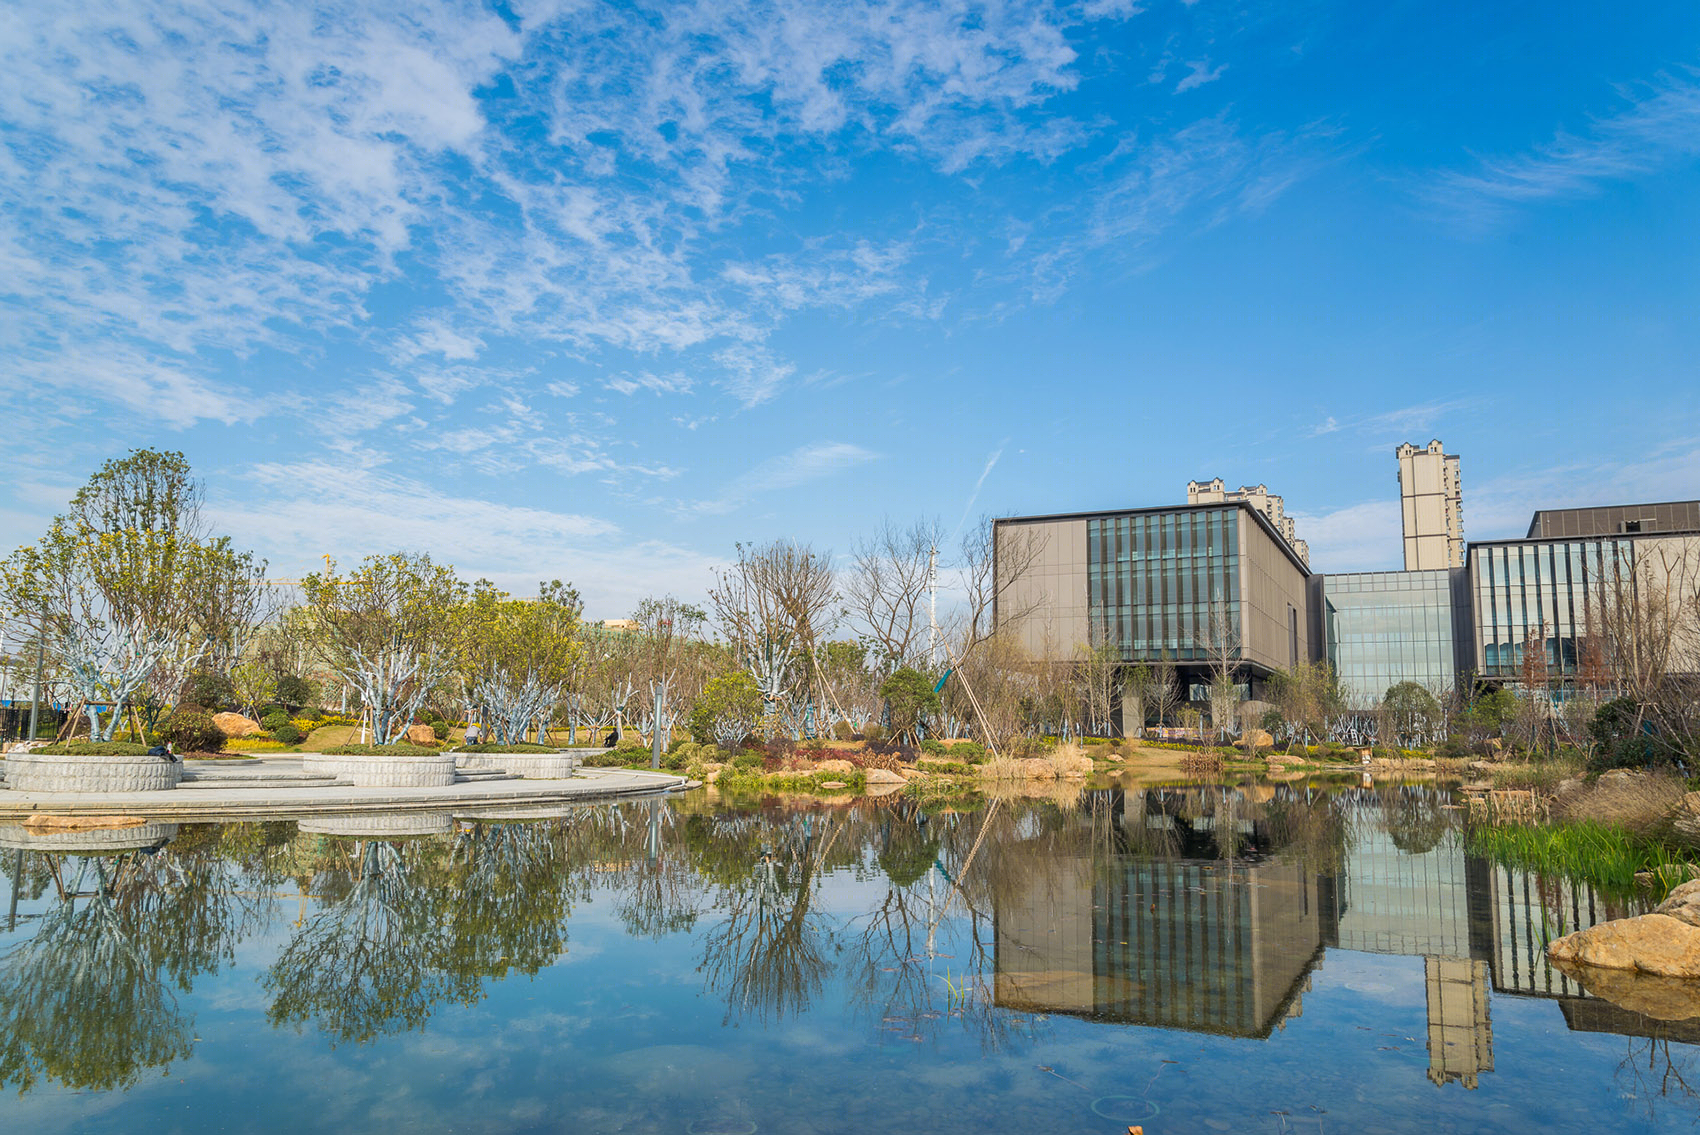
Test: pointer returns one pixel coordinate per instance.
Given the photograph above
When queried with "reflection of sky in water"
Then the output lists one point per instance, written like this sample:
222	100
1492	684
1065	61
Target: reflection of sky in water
856	1030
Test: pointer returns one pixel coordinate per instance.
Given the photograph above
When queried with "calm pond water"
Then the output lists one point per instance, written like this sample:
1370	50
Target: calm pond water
1211	958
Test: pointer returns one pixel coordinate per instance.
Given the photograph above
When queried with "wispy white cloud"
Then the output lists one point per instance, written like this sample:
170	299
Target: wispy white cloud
979	483
293	512
803	465
1199	74
1658	126
1359	537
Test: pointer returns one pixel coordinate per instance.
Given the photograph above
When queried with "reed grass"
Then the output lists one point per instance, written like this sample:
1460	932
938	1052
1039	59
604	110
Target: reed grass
1606	856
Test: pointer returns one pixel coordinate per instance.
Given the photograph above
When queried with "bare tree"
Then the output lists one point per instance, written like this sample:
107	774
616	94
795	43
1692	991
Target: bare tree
887	587
775	607
1162	690
1220	644
993	562
1095	680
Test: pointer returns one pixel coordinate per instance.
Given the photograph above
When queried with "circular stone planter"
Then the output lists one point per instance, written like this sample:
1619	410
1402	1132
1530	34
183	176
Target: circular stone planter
531	766
61	772
380	825
434	770
104	841
322	764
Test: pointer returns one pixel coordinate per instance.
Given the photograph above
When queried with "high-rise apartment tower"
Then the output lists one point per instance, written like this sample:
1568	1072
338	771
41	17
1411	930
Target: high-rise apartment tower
1431	506
1215	491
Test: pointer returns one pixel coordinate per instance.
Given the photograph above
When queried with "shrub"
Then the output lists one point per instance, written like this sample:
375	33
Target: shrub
193	733
440	729
96	749
293	689
274	721
749	760
204	688
288	734
313	713
843	731
873	733
910	698
935	747
949	768
400	750
970	751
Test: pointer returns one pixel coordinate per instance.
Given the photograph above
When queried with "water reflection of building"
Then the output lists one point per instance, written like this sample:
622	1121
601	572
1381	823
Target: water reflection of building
1460	1036
1222	945
1173	934
1203	946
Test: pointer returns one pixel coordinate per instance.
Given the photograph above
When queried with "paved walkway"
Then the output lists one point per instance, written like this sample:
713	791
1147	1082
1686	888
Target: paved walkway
234	801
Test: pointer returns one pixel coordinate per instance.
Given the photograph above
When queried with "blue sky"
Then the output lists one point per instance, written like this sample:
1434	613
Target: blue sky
570	290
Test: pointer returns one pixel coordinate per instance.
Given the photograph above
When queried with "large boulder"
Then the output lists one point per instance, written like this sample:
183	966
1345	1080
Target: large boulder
420	735
1258	739
1686	816
1037	768
235	725
882	776
834	764
1665	943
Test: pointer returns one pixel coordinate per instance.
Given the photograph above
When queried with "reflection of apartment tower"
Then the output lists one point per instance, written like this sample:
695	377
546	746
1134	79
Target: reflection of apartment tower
1460	1037
1431	506
1214	491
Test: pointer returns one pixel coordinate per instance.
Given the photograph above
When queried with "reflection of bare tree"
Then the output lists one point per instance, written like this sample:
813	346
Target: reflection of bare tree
1650	1074
767	955
369	964
81	1002
657	895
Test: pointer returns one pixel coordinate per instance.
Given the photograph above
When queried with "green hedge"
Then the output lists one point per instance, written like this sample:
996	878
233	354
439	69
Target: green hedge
402	750
520	747
95	749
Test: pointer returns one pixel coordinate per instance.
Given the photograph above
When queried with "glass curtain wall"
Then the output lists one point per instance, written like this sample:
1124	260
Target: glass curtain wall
1387	627
1153	581
1540	590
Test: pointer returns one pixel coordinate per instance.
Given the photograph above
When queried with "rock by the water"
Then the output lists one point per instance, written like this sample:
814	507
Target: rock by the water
883	776
1666	942
1685	818
1037	768
832	784
834	765
1683	903
235	725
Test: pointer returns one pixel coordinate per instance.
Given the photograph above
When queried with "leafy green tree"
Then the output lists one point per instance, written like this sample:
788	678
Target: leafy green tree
1413	713
391	629
727	710
911	697
128	591
518	654
294	691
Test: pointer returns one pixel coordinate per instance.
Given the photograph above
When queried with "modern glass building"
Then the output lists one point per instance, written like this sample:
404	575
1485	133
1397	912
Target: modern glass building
1380	628
1157	584
1155	581
1540	591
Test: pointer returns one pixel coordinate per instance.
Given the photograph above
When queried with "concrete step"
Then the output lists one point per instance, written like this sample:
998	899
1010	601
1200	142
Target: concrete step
474	775
280	781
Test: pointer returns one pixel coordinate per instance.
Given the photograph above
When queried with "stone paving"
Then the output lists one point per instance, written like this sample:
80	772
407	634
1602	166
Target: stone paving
277	787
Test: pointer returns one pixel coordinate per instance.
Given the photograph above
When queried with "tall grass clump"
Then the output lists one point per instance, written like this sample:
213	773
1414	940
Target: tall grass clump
1606	856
